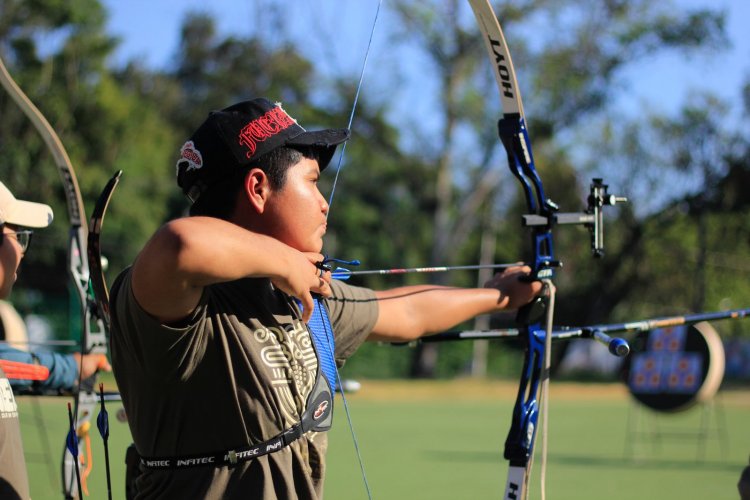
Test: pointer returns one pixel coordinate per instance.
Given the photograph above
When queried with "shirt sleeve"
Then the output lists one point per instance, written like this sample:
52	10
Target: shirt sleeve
63	369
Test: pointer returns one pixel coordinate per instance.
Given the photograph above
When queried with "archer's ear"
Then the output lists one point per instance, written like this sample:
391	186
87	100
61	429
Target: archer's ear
256	189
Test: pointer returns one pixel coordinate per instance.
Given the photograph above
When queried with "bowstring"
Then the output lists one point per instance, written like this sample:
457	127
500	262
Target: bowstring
550	288
354	106
329	335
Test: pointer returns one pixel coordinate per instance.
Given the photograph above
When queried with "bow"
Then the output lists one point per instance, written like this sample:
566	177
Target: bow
93	337
535	319
519	444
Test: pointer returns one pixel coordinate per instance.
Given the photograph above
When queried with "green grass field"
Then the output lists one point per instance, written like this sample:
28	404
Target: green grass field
443	440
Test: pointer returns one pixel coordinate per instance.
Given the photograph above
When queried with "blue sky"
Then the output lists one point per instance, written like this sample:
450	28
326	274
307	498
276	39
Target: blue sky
336	33
149	31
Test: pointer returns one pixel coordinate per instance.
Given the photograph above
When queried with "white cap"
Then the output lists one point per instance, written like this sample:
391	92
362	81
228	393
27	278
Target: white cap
22	213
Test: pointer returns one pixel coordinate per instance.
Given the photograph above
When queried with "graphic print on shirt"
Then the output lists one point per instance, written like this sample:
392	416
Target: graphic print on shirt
8	408
292	363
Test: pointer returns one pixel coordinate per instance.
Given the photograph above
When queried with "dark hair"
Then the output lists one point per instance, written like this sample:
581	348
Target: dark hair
220	200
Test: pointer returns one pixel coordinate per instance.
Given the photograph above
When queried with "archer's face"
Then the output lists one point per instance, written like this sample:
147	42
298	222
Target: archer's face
297	211
10	259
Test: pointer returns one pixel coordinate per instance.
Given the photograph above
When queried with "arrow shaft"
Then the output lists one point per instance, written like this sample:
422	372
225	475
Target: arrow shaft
339	274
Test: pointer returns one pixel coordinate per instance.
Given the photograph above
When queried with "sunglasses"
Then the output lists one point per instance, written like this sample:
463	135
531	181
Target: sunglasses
23	237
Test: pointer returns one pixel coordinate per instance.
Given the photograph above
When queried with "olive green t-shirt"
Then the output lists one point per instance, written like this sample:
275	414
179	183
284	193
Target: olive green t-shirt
237	372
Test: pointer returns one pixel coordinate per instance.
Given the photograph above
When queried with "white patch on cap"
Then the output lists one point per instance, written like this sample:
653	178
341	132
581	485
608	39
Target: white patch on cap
191	156
278	105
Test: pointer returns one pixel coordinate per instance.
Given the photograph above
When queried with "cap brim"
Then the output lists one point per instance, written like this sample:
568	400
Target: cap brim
326	140
29	214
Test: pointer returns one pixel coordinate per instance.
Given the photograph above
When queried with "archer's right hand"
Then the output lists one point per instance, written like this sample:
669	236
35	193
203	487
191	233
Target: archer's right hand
303	278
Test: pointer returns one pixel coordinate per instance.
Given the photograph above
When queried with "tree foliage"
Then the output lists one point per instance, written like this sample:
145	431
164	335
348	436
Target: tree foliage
570	56
413	190
102	127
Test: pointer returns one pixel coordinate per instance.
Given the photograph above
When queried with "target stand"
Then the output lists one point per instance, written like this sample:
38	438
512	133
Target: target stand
673	370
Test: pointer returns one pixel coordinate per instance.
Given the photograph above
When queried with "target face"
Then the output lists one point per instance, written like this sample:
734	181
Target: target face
671	369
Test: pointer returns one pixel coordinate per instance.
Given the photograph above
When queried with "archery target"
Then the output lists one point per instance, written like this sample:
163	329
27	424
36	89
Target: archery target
671	369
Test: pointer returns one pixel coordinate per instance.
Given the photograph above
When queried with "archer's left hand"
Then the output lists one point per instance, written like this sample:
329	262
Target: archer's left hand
89	364
515	288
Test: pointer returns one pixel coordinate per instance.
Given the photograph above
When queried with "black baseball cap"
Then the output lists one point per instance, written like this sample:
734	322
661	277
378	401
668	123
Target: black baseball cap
234	137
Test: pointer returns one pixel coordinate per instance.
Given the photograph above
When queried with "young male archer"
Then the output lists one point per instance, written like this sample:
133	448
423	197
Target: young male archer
225	388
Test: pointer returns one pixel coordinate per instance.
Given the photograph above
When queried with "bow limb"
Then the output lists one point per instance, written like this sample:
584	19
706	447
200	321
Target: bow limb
93	337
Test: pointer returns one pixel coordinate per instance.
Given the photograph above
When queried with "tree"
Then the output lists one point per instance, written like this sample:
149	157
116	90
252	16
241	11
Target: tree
573	69
684	250
103	127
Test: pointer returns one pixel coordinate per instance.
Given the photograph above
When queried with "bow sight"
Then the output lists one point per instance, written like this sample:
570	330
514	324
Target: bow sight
592	218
